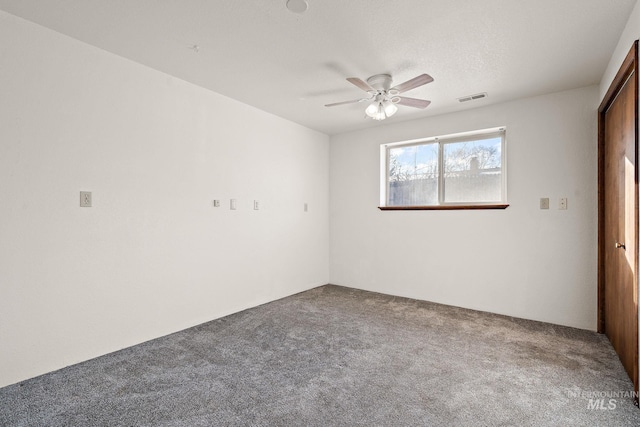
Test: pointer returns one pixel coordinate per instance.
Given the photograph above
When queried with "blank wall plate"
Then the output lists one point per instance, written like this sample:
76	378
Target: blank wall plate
85	199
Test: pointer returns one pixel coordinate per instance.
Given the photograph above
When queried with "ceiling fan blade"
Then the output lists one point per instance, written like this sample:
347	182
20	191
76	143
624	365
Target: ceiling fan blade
361	84
413	102
422	79
345	102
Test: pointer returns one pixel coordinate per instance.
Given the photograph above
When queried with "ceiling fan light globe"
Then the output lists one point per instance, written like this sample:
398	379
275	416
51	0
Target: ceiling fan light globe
389	108
372	110
380	114
377	114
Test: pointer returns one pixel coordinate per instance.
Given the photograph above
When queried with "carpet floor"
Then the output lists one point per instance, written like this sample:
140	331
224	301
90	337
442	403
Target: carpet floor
335	356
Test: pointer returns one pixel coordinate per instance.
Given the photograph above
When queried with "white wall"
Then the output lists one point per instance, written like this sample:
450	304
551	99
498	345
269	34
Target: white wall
630	34
152	256
522	261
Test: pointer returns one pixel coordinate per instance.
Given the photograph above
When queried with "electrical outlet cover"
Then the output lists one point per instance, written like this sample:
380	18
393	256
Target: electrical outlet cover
562	205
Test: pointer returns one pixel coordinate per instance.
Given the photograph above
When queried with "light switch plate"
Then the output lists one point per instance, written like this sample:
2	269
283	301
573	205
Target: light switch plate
232	204
216	203
544	203
85	199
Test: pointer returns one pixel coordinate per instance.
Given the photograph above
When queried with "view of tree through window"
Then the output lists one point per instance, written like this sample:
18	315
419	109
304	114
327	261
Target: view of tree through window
413	175
441	171
472	171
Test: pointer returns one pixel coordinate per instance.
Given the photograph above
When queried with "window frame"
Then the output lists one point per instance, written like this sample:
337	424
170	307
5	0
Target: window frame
442	141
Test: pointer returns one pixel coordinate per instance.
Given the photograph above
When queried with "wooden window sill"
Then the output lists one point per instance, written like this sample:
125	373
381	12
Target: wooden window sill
441	207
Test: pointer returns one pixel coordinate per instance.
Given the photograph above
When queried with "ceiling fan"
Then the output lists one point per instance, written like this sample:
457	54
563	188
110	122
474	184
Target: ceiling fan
384	98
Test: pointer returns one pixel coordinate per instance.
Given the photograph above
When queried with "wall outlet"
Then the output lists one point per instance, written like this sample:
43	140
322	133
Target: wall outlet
232	204
85	199
544	203
562	205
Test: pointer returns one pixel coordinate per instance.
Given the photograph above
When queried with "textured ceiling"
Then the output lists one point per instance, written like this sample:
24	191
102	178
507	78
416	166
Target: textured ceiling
258	52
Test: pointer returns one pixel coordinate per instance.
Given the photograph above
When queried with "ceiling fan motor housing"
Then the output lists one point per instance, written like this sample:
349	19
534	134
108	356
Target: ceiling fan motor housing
380	82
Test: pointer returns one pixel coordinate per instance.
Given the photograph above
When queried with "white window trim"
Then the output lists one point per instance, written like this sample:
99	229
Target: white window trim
442	140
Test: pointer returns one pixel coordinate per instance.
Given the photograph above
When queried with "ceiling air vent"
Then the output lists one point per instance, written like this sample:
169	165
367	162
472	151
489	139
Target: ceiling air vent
473	97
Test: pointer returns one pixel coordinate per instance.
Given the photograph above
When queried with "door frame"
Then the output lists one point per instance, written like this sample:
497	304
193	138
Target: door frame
629	66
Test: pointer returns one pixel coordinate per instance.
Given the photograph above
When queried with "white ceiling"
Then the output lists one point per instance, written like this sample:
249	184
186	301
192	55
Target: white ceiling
260	53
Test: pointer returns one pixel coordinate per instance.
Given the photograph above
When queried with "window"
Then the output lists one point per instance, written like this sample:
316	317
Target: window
461	171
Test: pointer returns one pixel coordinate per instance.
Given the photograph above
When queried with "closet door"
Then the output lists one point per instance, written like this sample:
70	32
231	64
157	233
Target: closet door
618	219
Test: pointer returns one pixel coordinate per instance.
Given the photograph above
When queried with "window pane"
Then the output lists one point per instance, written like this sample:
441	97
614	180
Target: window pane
413	175
473	171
